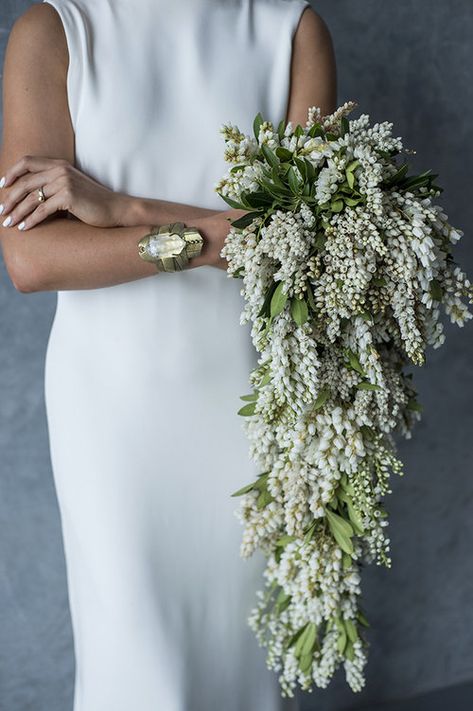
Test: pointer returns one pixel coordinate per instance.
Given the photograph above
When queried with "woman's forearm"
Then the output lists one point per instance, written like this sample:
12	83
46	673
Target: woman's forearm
62	254
143	211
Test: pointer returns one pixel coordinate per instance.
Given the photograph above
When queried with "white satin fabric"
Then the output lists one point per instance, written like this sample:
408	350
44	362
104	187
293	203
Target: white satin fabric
142	380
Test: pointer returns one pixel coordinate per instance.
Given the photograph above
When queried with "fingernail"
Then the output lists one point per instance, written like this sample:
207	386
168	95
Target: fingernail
1	209
21	226
7	221
2	182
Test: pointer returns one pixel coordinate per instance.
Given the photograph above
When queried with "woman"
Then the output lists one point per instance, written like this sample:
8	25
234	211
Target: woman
112	112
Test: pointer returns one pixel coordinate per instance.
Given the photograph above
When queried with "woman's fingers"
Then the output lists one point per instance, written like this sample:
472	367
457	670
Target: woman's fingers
24	208
35	212
30	164
25	189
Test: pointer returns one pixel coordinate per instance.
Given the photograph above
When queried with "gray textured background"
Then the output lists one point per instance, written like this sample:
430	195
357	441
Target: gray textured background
409	62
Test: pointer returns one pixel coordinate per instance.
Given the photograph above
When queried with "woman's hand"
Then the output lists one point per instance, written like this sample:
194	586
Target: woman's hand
214	229
65	188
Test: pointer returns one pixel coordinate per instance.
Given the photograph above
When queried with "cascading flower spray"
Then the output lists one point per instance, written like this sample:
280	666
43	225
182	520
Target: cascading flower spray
345	261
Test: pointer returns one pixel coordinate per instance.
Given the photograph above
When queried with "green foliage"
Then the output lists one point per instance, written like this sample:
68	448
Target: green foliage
278	300
257	123
299	310
341	530
248	409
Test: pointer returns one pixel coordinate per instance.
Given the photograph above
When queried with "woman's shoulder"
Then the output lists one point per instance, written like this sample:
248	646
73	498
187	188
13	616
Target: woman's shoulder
39	29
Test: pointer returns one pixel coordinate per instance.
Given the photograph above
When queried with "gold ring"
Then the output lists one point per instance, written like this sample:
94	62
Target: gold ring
41	195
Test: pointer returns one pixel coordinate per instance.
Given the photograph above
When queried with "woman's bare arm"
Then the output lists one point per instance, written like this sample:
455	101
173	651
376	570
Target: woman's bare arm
313	69
61	253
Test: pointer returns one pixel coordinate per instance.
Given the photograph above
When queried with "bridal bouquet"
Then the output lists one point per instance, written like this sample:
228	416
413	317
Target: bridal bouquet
346	262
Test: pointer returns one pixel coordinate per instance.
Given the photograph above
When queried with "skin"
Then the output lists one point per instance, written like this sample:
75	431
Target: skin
84	236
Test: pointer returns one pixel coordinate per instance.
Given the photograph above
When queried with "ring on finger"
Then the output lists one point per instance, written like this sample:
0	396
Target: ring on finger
41	195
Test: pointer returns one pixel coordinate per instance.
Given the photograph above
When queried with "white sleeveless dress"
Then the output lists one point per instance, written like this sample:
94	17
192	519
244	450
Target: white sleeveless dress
142	380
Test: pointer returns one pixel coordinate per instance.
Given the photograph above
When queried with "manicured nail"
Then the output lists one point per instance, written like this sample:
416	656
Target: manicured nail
1	209
21	226
2	182
7	221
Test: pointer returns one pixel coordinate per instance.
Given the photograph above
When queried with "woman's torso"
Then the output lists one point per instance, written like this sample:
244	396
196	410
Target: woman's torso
149	84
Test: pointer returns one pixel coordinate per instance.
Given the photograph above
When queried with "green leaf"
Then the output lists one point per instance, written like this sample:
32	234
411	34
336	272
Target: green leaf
310	298
367	432
281	129
251	397
316	130
346	485
322	398
310	637
284	540
344	126
379	281
294	183
346	561
283	600
247	409
238	272
349	651
336	205
344	542
305	663
310	170
236	168
283	153
364	385
244	490
263	499
299	311
292	640
270	156
362	619
246	220
339	523
265	308
350	179
300	641
309	533
412	404
302	165
231	202
259	198
351	167
355	519
352	202
331	136
342	640
275	190
276	179
350	627
265	379
305	642
258	121
261	481
278	300
436	290
354	362
398	176
298	131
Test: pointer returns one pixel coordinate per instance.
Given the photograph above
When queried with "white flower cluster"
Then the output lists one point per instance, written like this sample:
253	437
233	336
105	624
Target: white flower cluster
343	277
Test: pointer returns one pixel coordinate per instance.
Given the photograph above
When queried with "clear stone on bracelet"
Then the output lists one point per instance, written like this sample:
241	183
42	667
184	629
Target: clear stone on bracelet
165	245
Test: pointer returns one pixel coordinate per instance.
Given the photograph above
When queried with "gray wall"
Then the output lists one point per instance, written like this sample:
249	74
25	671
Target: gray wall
408	62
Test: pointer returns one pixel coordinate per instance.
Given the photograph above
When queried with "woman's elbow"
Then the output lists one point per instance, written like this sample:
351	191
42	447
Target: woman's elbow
22	273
